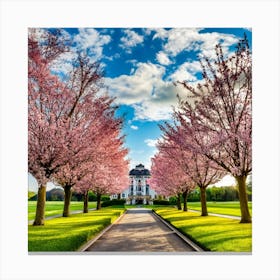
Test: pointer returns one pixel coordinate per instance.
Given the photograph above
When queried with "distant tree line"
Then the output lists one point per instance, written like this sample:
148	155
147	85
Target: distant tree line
57	194
216	194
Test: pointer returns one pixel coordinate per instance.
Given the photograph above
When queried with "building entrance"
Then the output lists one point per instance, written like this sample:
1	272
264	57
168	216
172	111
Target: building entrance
139	201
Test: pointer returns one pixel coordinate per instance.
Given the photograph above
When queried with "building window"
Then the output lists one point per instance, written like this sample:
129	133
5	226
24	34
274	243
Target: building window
123	195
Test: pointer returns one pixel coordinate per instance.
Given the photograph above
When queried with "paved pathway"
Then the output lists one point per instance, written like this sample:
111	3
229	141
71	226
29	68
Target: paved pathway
139	231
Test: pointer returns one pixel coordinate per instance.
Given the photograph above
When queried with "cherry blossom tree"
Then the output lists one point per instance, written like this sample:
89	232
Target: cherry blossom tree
217	116
93	156
86	130
168	177
202	171
45	93
69	120
161	182
111	175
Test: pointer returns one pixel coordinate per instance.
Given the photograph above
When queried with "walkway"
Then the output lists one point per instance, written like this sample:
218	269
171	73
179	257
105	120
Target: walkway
139	230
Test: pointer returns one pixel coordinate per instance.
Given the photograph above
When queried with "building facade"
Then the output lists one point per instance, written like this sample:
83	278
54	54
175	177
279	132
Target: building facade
139	191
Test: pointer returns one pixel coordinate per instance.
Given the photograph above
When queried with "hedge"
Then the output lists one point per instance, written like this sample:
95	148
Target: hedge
161	202
113	202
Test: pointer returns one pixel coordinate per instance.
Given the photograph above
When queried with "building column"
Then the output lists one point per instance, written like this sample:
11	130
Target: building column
133	187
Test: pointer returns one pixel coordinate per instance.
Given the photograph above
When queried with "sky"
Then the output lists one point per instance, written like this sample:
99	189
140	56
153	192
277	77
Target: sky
140	66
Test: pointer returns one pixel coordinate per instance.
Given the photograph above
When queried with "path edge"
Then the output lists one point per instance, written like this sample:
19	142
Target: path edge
85	246
182	236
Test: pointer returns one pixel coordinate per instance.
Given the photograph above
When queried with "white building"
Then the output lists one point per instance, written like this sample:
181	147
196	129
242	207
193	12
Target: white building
139	191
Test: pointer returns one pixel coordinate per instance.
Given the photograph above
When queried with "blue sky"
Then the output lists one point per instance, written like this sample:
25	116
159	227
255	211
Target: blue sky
140	66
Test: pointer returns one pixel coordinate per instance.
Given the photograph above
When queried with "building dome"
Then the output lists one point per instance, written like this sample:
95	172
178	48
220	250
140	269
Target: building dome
139	170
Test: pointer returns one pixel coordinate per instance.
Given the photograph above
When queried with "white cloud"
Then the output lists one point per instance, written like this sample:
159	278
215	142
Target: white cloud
147	31
146	91
210	40
132	61
64	63
159	106
152	112
131	89
134	127
161	33
131	39
163	59
186	72
90	39
151	142
180	39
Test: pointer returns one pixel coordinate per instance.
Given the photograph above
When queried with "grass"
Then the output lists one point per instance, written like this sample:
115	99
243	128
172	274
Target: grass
227	208
68	234
212	233
56	207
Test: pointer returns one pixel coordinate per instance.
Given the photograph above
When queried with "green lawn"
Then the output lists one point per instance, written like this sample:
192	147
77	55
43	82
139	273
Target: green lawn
212	233
227	208
69	234
56	207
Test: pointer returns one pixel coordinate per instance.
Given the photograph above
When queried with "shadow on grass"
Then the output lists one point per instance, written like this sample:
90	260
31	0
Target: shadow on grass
68	233
55	230
182	218
212	233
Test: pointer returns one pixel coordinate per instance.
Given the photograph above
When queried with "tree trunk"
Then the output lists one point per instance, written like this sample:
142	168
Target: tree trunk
98	203
40	208
243	199
119	196
204	211
67	199
179	206
86	202
185	197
